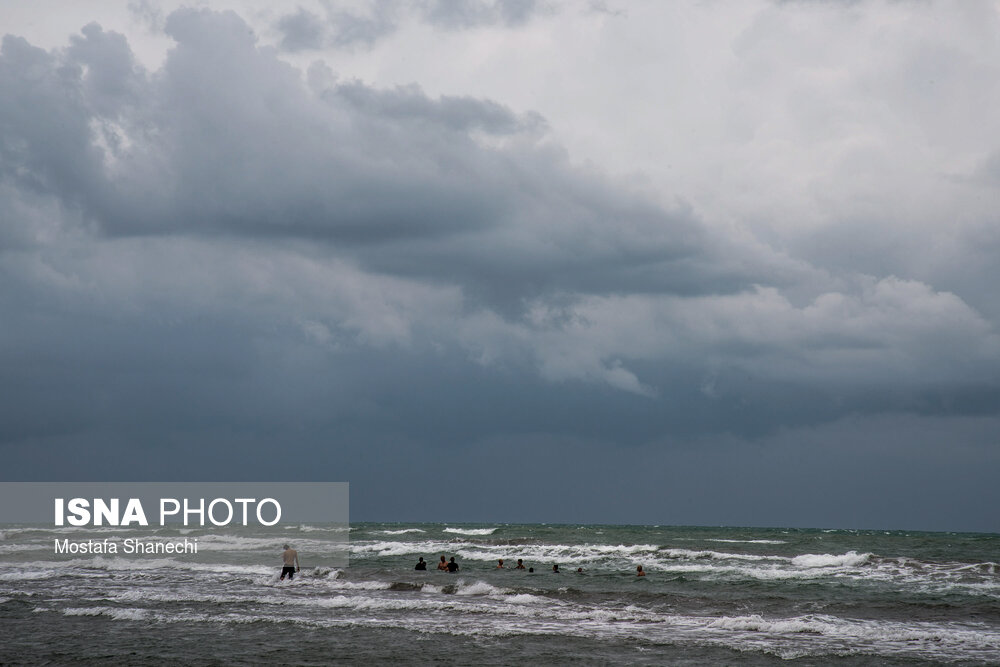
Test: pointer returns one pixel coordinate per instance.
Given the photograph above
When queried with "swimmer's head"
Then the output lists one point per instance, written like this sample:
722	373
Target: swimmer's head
286	547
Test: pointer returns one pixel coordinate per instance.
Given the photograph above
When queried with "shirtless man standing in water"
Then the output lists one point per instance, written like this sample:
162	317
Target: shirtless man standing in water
290	558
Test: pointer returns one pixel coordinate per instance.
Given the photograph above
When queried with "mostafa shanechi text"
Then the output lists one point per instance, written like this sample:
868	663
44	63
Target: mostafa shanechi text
130	546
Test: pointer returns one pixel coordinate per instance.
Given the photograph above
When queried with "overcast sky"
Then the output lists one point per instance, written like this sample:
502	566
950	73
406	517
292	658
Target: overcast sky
726	263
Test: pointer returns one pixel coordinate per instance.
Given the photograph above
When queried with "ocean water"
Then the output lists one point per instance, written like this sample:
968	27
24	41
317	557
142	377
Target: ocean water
711	596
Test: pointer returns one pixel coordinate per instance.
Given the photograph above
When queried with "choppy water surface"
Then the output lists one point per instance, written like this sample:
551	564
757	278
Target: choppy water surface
711	595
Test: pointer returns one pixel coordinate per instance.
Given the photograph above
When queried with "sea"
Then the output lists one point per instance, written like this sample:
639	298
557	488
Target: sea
711	596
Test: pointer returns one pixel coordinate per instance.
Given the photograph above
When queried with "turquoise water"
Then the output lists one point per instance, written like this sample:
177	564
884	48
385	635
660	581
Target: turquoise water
711	595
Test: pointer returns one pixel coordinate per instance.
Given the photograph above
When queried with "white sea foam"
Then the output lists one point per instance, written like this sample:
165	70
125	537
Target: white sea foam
14	548
477	601
392	548
749	541
780	637
988	568
55	568
614	555
376	604
934	579
475	598
479	588
83	611
894	637
361	585
116	613
434	613
849	559
303	528
324	573
715	555
400	532
470	531
26	575
755	623
228	542
558	553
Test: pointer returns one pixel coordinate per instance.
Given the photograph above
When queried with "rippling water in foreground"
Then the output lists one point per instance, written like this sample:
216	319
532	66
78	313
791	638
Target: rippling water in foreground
712	595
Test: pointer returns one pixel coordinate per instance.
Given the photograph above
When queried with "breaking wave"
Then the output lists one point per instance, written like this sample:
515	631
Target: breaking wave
400	532
850	559
470	531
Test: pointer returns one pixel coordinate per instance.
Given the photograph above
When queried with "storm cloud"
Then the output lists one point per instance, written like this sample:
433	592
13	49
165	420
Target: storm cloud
360	27
230	253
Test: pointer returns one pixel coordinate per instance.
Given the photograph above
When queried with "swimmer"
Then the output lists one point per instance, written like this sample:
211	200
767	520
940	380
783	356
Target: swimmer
290	560
639	571
452	566
555	568
443	565
579	570
500	564
421	565
520	564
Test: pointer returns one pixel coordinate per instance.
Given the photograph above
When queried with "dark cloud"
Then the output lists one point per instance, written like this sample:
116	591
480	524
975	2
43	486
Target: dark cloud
301	30
339	28
233	142
226	257
46	144
461	114
304	30
355	29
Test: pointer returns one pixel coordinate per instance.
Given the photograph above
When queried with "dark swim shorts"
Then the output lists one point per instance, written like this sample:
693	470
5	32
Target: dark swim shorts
289	570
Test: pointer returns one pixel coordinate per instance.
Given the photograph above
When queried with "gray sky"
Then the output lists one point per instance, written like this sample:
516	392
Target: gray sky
673	263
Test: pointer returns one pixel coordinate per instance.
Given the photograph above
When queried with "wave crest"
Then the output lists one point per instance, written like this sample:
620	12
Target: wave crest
470	531
850	559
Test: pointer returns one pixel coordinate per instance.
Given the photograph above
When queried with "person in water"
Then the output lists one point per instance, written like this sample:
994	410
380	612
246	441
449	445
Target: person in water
452	565
290	560
555	568
520	564
531	569
421	565
579	570
443	564
500	564
639	572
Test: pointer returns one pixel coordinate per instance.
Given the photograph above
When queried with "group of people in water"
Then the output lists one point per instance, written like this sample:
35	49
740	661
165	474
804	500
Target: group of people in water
290	565
452	566
447	566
